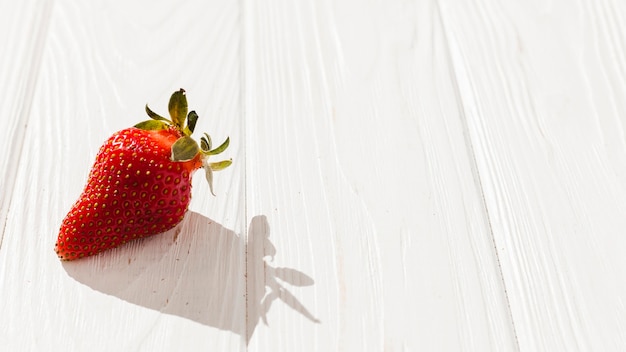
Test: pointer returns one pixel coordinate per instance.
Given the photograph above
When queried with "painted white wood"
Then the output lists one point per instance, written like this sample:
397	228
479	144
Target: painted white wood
407	176
185	290
24	29
542	86
357	158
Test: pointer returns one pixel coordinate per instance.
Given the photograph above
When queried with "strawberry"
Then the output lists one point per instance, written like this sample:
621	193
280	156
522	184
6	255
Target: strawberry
140	183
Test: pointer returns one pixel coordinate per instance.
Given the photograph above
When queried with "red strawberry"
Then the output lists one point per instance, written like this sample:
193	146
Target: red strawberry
140	184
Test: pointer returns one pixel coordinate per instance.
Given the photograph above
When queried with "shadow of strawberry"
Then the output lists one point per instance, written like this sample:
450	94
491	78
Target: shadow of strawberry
199	270
263	288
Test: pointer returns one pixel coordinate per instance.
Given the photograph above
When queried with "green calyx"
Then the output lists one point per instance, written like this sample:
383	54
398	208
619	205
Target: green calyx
186	148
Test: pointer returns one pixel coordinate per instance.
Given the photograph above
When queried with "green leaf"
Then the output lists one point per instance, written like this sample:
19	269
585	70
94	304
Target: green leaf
151	125
184	149
204	144
178	108
221	148
153	115
192	118
208	141
220	165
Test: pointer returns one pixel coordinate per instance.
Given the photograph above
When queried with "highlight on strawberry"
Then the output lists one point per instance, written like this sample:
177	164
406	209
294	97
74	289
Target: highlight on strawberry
140	183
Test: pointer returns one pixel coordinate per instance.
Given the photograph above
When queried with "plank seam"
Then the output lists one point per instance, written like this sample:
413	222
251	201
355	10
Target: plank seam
455	74
244	6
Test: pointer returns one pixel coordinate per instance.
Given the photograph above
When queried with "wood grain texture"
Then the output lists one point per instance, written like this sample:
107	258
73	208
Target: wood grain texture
543	90
24	31
102	61
408	175
364	174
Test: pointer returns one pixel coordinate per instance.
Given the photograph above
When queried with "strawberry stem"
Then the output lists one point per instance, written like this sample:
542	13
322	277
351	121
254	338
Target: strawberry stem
186	148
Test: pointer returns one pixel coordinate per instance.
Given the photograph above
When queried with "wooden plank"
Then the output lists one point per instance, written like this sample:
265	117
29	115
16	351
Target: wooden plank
543	90
359	178
24	26
363	175
183	290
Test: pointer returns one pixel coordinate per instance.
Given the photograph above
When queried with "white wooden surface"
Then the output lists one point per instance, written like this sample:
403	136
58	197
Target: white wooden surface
408	175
